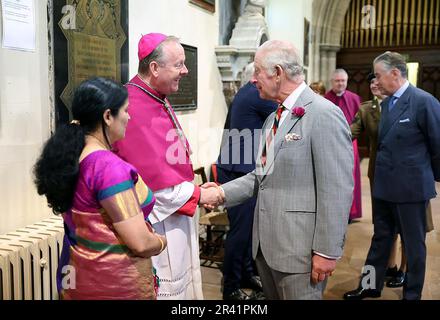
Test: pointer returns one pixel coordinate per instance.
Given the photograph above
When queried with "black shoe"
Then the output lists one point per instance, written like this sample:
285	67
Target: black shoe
391	273
397	281
257	295
253	283
361	293
236	295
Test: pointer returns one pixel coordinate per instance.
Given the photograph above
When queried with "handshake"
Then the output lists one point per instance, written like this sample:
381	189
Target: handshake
211	196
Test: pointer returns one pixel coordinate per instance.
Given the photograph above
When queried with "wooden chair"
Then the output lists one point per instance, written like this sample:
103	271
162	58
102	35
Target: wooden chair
214	225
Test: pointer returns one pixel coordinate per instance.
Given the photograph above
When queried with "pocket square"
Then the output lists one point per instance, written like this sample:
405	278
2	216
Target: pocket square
292	137
404	120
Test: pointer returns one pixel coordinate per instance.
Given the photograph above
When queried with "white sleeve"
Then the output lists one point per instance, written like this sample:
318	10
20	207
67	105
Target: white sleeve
169	200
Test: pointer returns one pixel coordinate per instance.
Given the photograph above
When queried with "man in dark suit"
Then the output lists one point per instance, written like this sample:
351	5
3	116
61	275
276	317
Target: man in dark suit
237	158
367	120
407	166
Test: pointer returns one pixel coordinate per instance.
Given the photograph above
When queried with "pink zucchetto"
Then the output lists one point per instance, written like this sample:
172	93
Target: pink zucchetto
148	43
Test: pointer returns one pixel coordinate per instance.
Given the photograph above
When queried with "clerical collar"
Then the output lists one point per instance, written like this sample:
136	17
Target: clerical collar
340	94
151	90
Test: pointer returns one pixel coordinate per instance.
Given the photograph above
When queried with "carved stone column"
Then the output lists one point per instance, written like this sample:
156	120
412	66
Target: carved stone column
327	24
323	67
328	61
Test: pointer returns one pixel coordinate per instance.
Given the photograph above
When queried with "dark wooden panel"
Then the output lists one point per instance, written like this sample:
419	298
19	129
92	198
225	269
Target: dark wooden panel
205	4
358	61
430	80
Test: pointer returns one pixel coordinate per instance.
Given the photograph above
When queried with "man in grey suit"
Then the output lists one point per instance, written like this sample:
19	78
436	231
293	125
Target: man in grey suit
303	180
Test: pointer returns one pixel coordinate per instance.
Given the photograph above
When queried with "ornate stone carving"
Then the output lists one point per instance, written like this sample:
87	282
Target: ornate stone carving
249	33
250	27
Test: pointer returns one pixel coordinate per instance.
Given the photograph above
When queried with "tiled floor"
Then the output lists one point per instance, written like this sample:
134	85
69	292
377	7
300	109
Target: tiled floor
357	244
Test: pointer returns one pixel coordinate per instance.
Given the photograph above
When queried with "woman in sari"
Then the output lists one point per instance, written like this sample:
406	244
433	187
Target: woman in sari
105	204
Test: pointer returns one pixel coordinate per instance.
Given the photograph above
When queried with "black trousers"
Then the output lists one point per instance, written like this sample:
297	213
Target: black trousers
409	219
238	264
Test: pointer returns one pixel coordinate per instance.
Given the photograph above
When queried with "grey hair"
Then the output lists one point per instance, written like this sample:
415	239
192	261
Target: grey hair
157	55
392	60
338	71
247	73
283	54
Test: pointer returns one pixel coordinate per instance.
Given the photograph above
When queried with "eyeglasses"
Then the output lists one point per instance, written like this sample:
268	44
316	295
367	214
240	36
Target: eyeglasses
178	66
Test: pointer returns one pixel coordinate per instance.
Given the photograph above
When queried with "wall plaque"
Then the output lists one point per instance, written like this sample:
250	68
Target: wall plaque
186	97
90	39
205	4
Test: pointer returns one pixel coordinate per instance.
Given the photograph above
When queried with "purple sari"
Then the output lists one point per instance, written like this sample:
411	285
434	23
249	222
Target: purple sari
103	266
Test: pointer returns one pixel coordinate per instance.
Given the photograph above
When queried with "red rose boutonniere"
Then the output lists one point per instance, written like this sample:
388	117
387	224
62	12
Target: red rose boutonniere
298	111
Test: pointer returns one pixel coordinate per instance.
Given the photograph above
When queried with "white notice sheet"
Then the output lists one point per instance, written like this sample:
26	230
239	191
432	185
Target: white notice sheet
18	18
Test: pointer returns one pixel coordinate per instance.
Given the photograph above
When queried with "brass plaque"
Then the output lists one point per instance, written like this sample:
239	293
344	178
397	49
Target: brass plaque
90	39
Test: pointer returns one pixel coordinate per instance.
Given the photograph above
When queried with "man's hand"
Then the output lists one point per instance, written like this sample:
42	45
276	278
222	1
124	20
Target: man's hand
211	196
322	268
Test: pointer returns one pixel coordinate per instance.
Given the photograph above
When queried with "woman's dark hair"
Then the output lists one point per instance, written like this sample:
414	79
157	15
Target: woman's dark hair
56	170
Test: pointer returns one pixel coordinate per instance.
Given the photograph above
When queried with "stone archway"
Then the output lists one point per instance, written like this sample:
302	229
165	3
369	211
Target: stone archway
327	25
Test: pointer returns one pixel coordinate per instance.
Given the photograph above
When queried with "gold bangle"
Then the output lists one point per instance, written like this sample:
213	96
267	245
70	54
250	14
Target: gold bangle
162	245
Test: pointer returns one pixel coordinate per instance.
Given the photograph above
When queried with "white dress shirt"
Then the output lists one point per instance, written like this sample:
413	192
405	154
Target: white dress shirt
290	101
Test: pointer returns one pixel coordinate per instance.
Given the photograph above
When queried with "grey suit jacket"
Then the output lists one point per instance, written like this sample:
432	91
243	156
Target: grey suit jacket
304	193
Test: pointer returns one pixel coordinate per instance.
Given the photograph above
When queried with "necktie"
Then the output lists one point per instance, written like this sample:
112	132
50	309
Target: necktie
392	103
276	123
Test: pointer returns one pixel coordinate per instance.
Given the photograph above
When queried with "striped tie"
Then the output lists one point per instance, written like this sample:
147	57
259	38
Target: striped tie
276	123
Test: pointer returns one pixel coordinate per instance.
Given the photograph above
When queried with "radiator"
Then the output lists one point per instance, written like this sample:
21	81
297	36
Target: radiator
29	260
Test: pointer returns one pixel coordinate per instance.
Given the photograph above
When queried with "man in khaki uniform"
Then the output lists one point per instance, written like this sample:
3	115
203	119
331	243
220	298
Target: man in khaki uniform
367	119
